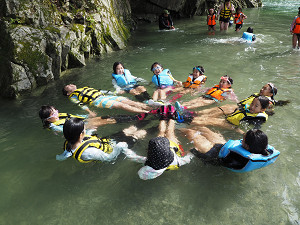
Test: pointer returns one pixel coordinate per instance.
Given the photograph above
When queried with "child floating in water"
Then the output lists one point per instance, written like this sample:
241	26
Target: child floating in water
123	81
217	93
268	90
248	35
164	153
211	22
253	152
90	96
163	80
55	121
195	79
193	82
239	19
255	115
86	148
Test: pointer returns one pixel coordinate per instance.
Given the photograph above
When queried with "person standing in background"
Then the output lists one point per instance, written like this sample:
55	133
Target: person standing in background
295	30
225	12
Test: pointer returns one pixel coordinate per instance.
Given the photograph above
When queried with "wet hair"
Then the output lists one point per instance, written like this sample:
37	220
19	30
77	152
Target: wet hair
155	64
264	101
250	30
200	69
211	9
72	130
227	0
159	154
273	90
115	66
238	8
64	92
230	79
44	113
257	141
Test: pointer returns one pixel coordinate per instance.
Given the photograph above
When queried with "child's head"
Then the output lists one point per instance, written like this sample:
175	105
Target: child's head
159	154
198	71
68	89
238	9
225	82
73	130
268	90
211	11
255	141
259	104
157	68
250	30
48	114
118	68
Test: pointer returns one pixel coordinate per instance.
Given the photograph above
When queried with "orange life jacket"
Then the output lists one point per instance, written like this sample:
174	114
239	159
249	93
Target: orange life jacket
238	19
296	29
196	83
211	20
216	92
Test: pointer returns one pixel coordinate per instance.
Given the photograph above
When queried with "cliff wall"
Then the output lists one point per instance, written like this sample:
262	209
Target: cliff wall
40	39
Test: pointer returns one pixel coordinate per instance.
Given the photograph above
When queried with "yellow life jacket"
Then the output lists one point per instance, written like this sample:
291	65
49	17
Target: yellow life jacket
226	12
250	99
102	144
64	116
86	95
239	115
177	149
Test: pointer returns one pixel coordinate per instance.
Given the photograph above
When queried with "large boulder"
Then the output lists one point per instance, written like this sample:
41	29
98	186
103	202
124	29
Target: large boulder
40	39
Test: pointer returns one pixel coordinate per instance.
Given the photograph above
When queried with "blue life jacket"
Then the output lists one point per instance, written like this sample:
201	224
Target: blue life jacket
255	161
124	79
163	79
248	36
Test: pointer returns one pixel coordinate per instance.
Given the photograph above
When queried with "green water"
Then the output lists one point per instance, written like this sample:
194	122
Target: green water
37	189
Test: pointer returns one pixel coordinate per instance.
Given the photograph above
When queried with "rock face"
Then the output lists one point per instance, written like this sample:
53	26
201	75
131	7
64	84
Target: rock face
149	10
40	39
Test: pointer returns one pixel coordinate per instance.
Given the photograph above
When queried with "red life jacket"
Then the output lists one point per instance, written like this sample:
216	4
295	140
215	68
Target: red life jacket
238	19
211	20
296	29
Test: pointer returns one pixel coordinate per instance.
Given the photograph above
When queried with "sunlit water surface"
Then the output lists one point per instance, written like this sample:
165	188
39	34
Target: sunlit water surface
37	189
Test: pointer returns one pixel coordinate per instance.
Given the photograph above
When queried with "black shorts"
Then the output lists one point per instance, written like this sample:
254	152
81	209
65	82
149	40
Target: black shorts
225	20
211	26
127	90
210	157
298	37
238	26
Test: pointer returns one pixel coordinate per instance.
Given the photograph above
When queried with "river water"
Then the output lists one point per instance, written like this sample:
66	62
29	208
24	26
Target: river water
37	189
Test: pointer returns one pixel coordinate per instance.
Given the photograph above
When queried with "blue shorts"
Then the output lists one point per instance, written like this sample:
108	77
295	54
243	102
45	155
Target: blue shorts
107	101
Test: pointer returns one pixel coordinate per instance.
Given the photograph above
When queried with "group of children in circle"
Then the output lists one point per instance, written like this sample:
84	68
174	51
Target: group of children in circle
164	151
